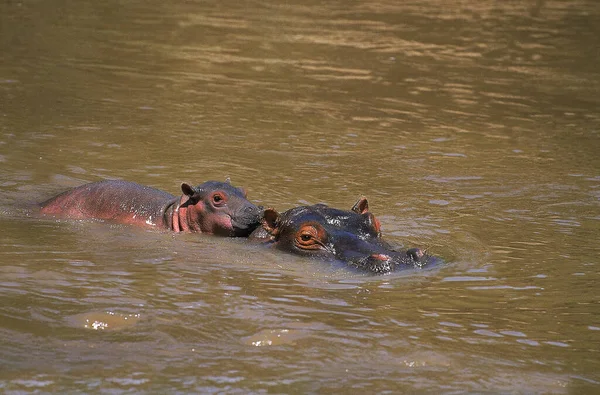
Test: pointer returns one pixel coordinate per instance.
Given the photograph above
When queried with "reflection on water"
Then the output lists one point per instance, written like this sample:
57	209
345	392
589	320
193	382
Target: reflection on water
107	320
473	129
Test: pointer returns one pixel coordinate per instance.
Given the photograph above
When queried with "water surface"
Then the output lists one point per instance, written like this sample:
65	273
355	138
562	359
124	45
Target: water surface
473	129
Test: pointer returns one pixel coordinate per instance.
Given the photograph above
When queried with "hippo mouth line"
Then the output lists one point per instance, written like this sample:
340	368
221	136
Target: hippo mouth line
382	263
242	229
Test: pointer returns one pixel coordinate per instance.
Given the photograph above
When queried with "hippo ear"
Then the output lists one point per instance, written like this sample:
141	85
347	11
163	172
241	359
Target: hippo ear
187	190
361	206
270	220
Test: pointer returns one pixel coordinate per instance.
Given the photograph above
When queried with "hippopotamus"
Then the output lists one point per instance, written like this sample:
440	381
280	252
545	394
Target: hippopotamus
213	207
352	237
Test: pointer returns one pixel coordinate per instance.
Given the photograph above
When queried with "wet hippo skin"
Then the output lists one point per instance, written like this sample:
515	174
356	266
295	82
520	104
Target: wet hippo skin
212	207
352	237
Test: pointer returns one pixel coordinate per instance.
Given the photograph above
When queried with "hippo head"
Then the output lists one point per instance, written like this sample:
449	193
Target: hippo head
218	208
353	237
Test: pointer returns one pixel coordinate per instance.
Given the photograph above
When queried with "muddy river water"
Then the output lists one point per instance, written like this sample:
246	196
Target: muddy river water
472	128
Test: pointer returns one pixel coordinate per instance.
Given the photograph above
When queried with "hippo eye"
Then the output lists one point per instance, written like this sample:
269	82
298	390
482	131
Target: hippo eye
218	199
308	238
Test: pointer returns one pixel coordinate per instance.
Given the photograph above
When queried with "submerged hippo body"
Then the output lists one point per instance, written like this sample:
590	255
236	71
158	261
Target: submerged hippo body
213	207
353	237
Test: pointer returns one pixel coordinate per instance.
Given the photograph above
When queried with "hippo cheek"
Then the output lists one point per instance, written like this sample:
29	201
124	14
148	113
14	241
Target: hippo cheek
201	219
220	225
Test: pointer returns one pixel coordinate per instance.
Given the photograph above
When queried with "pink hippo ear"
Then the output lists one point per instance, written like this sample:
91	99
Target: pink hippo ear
361	206
187	190
270	221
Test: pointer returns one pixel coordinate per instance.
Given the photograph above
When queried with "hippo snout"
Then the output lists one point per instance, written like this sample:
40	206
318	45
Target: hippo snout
246	220
388	261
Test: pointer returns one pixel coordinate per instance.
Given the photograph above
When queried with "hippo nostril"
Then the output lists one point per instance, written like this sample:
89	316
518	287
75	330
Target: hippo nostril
381	257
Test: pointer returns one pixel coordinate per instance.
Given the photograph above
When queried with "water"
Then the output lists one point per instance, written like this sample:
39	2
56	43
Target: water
473	129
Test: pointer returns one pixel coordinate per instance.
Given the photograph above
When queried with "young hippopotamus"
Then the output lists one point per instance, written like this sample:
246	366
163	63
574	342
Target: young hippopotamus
213	207
353	237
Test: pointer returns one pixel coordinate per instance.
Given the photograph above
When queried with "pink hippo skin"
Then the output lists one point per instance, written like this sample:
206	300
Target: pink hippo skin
213	207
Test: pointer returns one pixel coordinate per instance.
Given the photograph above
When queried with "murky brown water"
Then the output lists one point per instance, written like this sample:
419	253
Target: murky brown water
473	129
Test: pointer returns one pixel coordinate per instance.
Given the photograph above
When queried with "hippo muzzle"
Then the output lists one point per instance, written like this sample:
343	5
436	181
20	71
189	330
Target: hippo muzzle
372	255
246	219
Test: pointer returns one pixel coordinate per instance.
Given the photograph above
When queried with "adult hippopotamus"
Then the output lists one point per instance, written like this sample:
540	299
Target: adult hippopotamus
213	207
353	237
